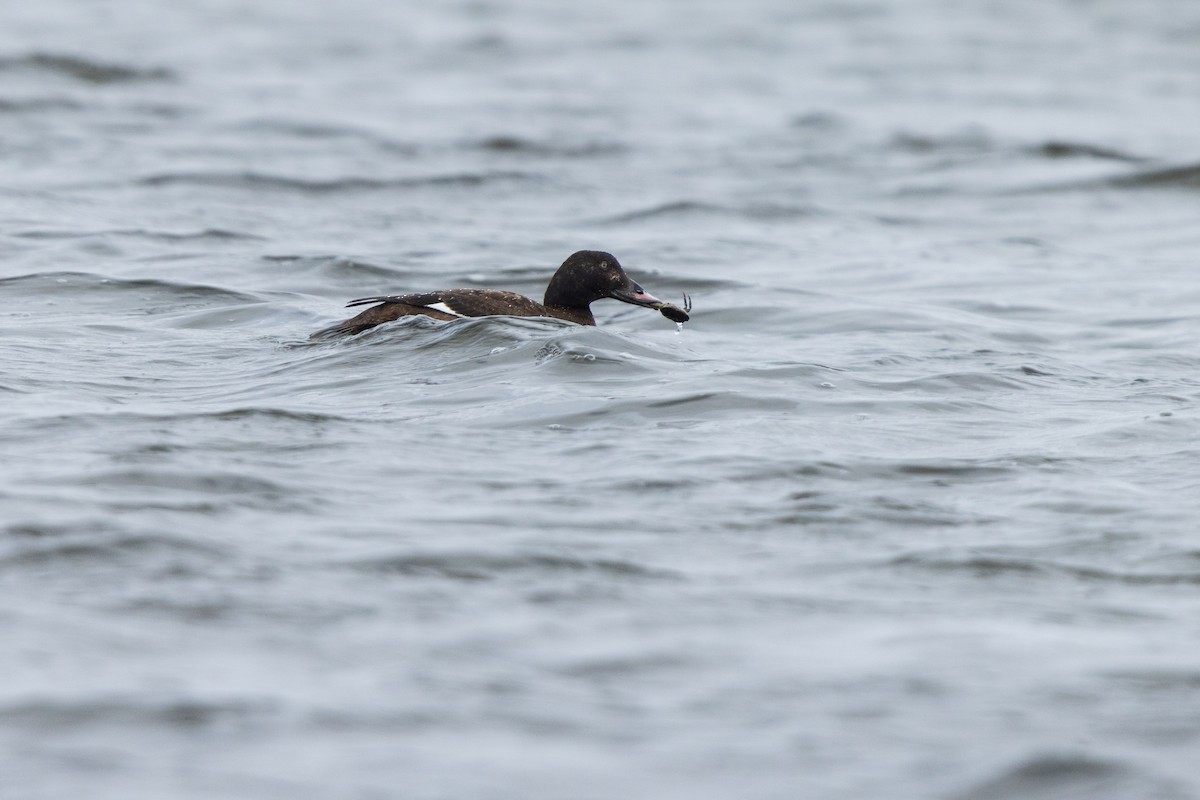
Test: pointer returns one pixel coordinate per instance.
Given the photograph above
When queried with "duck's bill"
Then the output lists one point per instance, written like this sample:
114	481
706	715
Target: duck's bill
637	297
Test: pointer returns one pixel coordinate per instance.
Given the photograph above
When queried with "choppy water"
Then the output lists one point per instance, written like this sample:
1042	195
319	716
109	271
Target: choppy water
908	510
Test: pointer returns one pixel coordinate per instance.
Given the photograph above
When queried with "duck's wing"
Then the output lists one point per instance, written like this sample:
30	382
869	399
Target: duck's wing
447	304
406	299
464	303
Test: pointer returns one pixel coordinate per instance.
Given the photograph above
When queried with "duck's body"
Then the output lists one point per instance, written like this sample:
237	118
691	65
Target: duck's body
585	277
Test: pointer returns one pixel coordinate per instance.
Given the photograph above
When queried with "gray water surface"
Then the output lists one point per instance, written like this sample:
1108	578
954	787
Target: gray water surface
908	510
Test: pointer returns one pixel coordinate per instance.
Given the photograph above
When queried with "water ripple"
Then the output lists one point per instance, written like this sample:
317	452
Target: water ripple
993	566
518	145
90	289
693	208
1053	775
57	545
258	181
66	715
474	566
85	70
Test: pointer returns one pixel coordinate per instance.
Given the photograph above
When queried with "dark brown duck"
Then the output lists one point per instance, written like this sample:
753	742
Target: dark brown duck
585	277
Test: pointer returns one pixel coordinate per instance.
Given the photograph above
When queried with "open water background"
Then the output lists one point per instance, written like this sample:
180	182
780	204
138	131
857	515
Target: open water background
908	510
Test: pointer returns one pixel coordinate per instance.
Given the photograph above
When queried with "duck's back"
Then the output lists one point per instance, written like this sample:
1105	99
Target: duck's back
463	303
447	304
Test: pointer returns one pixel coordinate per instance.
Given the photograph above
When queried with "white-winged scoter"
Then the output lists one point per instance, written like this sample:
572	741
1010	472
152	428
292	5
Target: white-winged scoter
585	277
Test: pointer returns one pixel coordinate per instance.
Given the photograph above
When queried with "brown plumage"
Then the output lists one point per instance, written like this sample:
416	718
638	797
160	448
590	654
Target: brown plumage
585	277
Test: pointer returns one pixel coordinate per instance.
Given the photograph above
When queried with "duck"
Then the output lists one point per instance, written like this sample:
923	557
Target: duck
586	276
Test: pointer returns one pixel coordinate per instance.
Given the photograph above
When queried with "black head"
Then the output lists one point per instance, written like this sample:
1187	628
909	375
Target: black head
591	275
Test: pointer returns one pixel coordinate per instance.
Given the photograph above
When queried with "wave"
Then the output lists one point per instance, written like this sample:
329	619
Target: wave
42	544
1186	176
72	714
1183	176
692	208
543	338
34	104
35	427
476	566
206	235
1063	775
323	130
984	565
978	143
91	286
482	348
517	145
265	181
85	70
341	269
1062	149
964	143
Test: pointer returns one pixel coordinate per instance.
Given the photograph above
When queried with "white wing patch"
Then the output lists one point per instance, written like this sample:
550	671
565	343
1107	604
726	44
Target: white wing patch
445	309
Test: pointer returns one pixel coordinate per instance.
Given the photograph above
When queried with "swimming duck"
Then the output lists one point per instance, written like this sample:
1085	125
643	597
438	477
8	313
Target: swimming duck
585	277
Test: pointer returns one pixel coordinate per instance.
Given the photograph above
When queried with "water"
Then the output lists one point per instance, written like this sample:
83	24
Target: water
907	510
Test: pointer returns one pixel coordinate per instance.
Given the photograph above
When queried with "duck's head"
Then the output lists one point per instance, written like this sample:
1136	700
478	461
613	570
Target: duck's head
591	275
